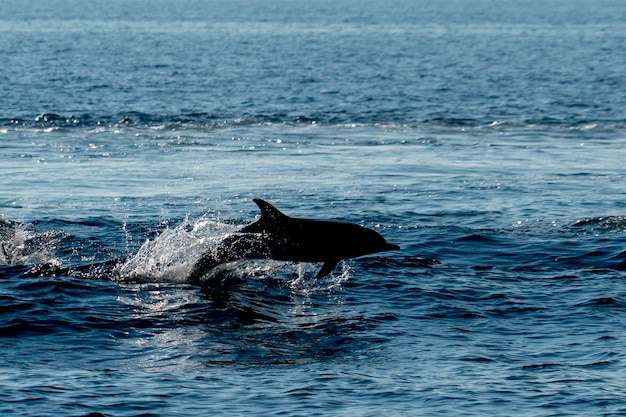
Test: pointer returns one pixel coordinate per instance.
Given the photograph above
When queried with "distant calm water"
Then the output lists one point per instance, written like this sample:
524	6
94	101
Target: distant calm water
485	138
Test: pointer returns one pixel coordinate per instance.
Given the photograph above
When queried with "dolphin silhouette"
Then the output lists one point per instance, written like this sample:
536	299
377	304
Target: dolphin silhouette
278	236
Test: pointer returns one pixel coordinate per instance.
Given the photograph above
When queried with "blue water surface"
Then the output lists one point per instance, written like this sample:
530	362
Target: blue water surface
485	138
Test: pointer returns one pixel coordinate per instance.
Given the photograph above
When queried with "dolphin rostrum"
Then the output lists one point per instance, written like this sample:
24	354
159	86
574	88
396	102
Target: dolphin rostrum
278	236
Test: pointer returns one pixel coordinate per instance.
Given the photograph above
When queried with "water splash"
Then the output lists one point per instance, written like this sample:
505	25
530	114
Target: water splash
170	256
20	246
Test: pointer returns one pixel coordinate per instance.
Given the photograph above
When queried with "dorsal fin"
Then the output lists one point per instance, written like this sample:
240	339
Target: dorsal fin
269	211
271	218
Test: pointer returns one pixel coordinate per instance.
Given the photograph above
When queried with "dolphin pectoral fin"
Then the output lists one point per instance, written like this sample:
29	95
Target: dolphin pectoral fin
326	269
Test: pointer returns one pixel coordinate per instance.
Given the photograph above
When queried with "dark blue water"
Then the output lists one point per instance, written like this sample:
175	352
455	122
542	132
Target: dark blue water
487	139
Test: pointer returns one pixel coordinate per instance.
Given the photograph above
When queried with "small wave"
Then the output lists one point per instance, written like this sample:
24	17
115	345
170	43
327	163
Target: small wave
398	262
542	366
196	121
51	121
608	223
608	302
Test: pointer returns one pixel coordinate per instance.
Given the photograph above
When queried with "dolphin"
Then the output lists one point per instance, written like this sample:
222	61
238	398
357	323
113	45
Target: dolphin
278	236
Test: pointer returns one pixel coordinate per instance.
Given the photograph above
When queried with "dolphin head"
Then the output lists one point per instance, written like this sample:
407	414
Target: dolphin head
390	246
366	241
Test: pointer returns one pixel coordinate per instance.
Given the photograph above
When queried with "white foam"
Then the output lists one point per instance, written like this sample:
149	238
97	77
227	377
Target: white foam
171	255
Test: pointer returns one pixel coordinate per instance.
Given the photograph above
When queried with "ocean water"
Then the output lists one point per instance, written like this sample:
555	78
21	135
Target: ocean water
487	139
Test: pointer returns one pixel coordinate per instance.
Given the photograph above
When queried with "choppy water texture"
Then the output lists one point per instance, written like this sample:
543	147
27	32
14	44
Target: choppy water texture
487	139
